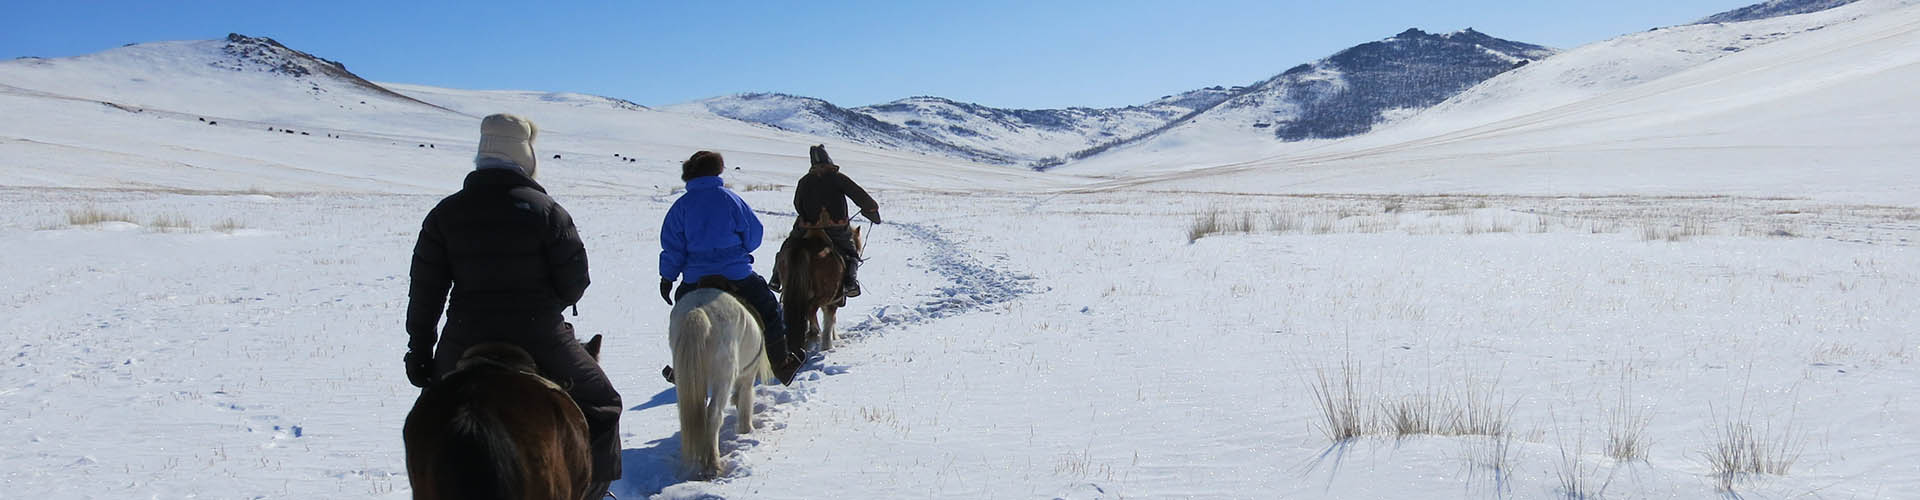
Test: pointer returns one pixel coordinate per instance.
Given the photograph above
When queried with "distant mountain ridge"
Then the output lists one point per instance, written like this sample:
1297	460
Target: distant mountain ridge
1342	95
1349	92
964	130
1772	9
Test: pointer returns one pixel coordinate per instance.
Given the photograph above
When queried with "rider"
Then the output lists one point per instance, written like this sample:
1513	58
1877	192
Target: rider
824	187
711	231
513	260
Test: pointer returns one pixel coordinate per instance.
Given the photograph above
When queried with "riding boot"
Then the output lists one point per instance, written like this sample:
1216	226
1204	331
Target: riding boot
785	363
850	284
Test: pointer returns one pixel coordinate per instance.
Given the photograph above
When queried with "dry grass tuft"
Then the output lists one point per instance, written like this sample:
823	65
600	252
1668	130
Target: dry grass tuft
1627	439
1342	414
95	215
167	223
1741	449
228	226
1216	222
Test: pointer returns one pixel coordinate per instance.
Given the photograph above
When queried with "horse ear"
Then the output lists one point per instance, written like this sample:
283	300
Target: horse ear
593	347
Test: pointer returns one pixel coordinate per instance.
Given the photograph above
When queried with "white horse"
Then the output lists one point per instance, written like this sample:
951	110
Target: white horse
718	356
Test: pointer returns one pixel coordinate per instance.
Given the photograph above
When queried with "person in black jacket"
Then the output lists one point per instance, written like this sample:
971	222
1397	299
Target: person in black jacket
513	260
824	187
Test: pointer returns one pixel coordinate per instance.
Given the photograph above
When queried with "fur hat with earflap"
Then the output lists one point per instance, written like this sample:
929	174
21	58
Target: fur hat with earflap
817	155
702	164
508	138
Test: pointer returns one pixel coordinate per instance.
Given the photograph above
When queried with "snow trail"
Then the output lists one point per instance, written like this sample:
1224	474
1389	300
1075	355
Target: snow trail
974	286
971	285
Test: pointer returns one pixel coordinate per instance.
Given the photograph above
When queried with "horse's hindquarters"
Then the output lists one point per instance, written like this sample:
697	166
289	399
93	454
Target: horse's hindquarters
715	342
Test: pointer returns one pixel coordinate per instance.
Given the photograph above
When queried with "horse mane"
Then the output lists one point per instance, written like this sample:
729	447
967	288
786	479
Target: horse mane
475	442
494	428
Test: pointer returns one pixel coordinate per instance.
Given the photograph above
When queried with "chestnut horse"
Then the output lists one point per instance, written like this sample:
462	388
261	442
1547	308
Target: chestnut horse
811	296
494	428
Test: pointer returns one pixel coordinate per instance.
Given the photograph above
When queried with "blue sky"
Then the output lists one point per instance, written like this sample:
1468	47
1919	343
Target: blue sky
1016	54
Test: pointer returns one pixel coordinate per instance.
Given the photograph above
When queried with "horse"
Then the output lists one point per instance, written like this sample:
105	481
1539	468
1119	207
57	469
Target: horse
718	356
494	428
811	295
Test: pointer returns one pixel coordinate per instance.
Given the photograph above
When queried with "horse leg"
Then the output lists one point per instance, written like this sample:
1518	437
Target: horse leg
813	327
743	401
828	315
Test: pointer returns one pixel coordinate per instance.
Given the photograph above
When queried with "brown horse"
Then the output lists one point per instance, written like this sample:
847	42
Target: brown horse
495	429
811	296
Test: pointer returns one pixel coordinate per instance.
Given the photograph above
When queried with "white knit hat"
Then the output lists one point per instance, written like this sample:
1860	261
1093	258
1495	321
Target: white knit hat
508	137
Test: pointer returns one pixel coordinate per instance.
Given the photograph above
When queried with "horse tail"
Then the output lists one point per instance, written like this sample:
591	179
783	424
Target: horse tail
799	291
699	440
475	444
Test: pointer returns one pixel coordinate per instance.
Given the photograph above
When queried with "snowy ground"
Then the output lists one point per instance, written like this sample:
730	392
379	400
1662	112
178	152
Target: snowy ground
1014	346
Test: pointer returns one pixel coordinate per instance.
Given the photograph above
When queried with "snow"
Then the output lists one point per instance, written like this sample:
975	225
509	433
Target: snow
198	310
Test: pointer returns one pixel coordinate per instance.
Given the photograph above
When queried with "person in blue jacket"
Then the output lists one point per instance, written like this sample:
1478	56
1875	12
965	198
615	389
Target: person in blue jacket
711	231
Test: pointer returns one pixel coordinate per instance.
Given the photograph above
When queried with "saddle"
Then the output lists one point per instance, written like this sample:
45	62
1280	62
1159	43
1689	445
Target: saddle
721	283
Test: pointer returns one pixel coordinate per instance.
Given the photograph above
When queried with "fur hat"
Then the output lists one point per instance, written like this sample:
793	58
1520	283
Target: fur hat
818	155
821	162
702	164
508	137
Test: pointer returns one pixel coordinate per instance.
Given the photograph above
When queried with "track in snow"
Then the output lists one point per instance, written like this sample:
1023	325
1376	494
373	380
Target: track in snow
972	286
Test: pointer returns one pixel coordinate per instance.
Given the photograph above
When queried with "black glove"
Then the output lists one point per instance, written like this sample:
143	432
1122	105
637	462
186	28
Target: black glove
419	369
872	215
666	290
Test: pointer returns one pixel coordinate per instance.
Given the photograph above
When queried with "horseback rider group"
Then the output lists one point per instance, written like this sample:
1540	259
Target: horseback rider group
503	260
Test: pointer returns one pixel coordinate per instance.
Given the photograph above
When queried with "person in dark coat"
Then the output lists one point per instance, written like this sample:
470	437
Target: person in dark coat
513	261
824	187
710	231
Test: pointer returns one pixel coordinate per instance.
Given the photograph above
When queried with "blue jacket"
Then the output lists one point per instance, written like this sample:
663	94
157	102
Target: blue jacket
708	231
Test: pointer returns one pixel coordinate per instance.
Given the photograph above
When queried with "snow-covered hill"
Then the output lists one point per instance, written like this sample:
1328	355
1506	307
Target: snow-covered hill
1598	68
247	113
1810	105
256	78
1343	95
1773	8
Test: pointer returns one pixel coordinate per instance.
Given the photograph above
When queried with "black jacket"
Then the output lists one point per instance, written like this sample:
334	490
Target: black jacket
509	253
825	187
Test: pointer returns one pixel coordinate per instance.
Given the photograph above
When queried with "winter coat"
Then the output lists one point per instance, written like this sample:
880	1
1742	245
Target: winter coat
709	231
509	253
825	187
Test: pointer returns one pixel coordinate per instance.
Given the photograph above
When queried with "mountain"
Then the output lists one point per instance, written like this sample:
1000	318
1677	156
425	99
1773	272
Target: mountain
1347	93
1611	65
1342	95
970	131
818	117
1030	134
1817	106
1772	9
